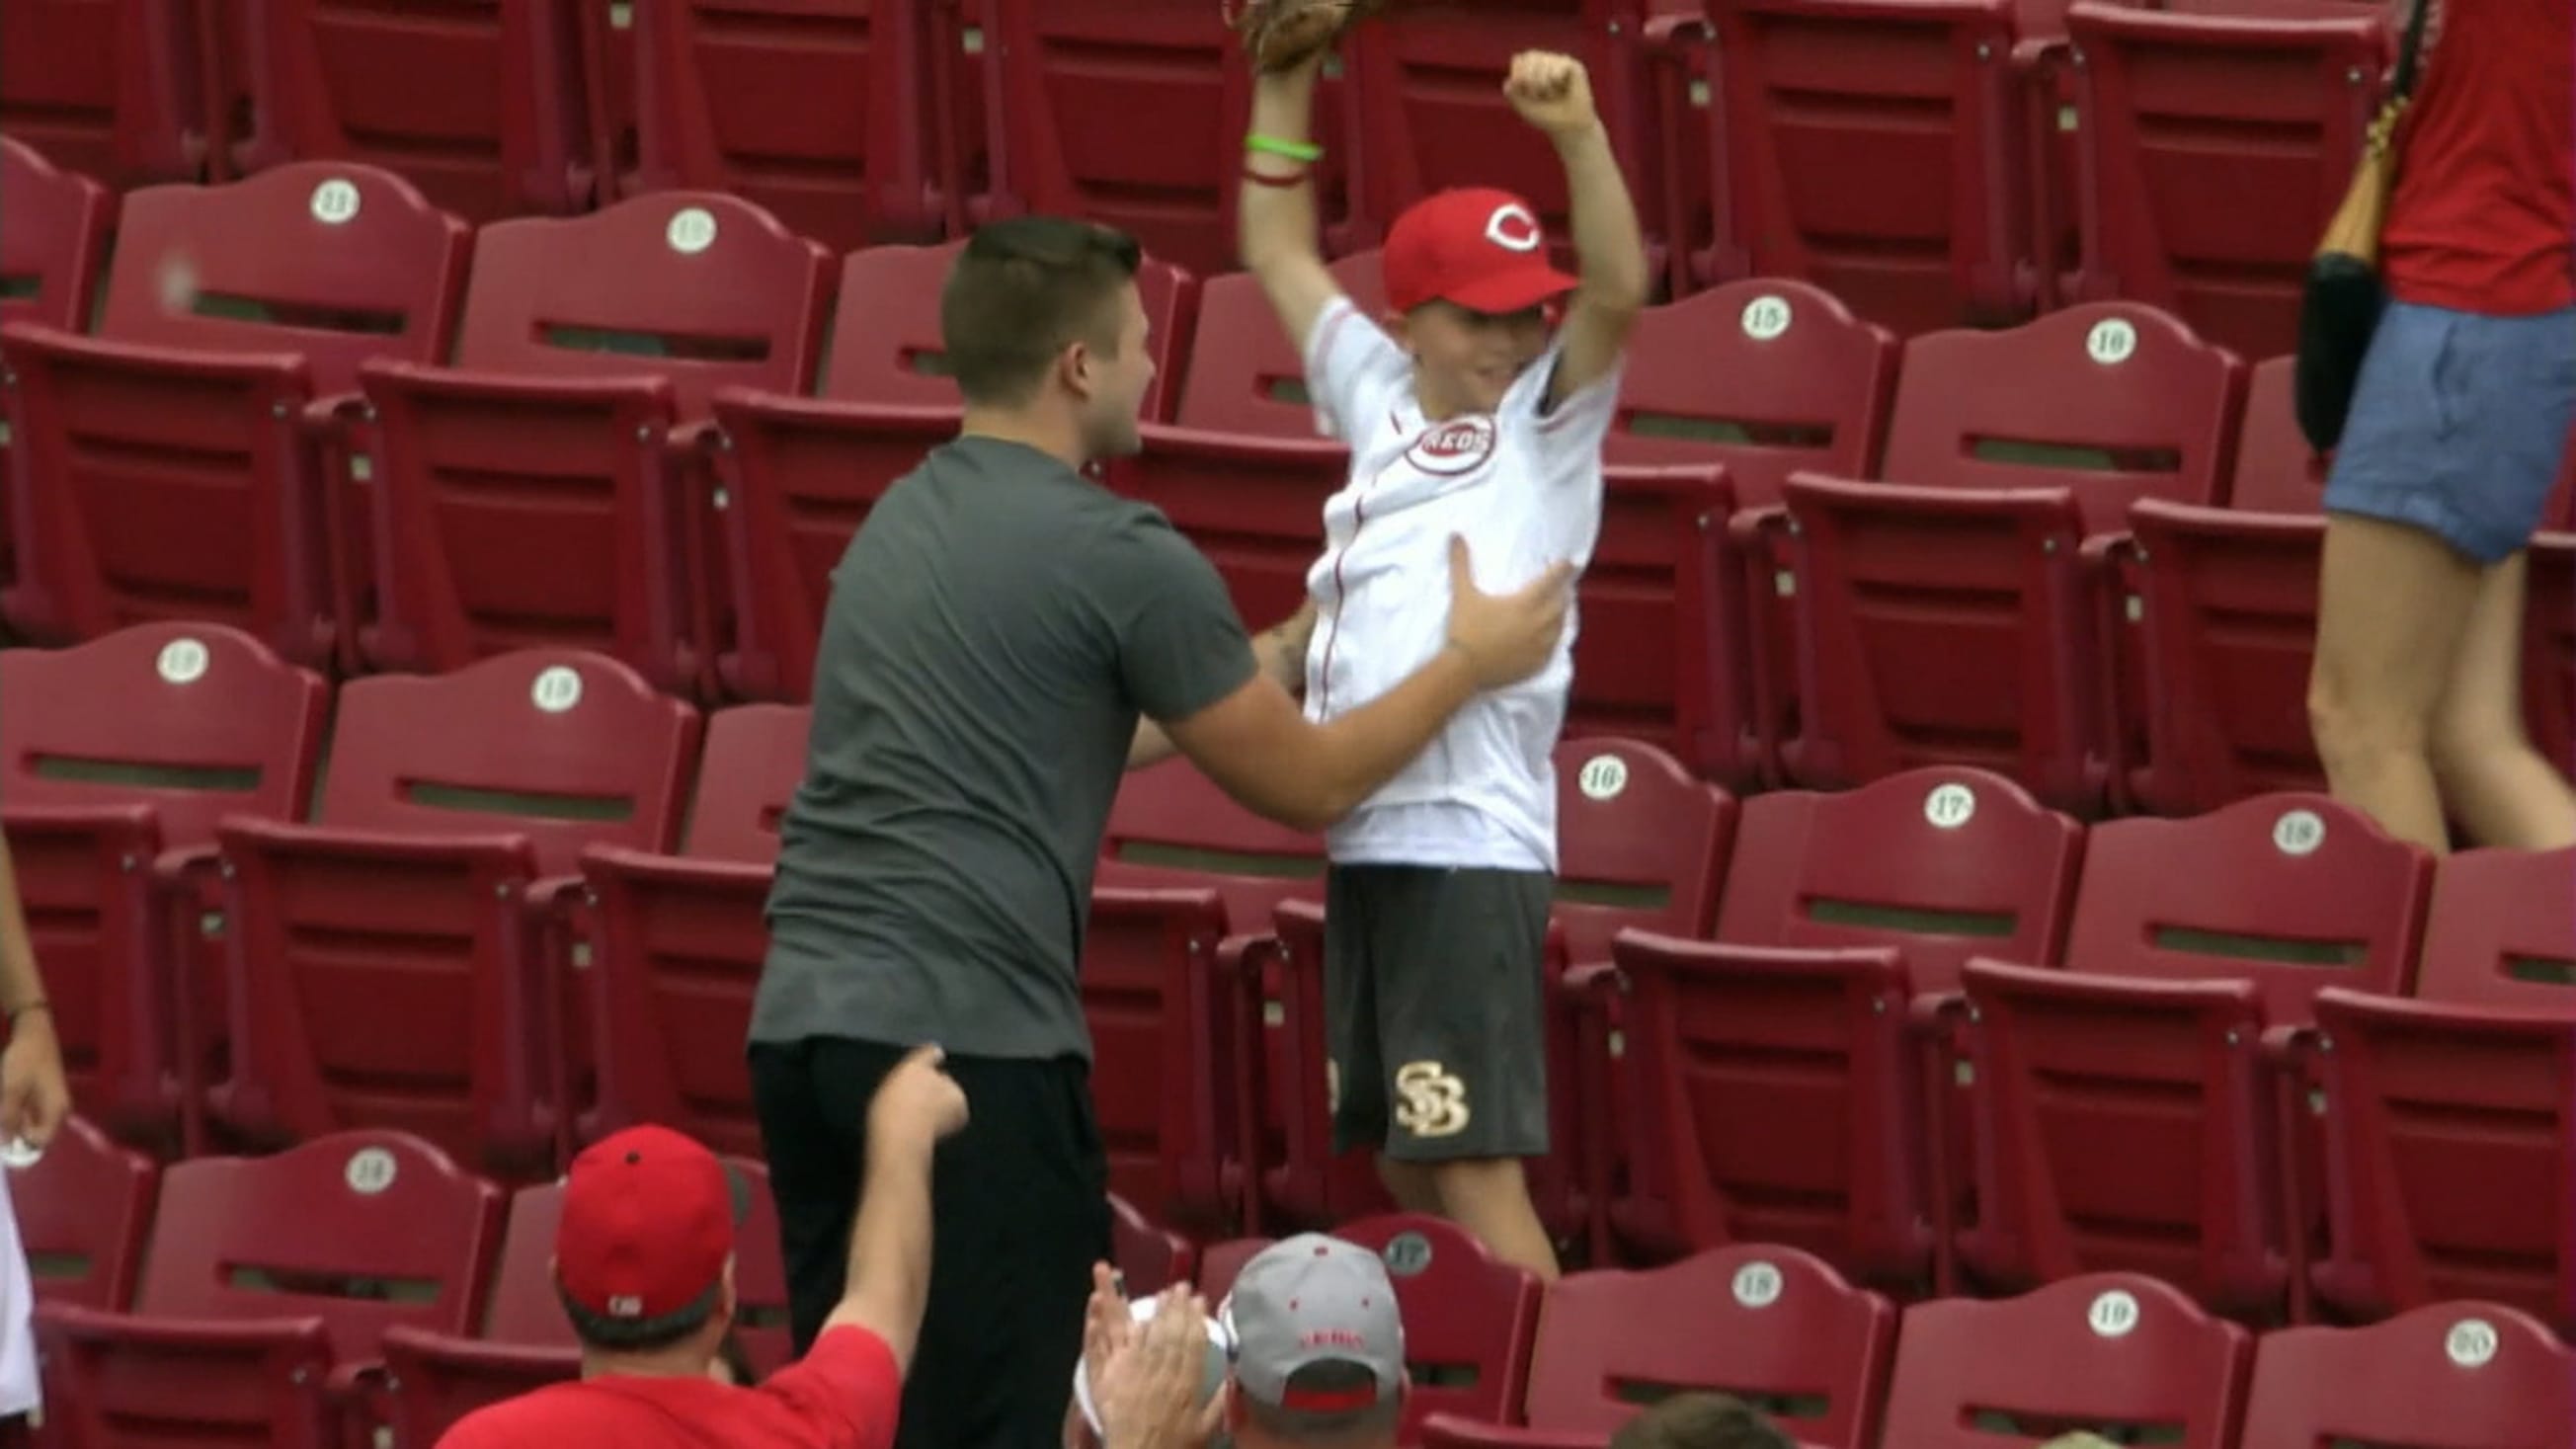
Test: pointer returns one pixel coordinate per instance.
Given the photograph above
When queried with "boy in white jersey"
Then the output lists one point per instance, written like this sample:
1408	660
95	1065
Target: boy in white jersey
1467	418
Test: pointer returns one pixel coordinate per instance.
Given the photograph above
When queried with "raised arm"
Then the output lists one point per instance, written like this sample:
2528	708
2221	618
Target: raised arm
888	1282
1275	222
1553	93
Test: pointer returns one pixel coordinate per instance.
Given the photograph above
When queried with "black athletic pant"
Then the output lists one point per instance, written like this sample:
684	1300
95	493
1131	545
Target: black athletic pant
1019	1213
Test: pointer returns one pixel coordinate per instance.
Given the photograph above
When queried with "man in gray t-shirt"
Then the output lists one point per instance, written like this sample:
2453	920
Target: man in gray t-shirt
1005	639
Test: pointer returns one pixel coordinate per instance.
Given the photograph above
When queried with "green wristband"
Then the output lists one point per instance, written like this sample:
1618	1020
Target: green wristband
1305	151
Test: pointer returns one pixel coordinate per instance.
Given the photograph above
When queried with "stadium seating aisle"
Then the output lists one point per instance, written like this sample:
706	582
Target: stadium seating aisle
300	1347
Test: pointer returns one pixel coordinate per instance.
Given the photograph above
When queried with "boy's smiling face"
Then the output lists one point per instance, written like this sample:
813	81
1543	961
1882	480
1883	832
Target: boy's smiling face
1464	361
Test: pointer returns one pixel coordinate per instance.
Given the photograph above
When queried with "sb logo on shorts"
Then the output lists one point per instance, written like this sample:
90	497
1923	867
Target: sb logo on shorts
1435	1101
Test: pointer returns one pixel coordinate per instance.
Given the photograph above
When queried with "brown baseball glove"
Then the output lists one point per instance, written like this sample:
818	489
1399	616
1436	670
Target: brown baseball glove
1284	34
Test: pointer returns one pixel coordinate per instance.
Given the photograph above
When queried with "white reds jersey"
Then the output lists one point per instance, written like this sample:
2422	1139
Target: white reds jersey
1523	486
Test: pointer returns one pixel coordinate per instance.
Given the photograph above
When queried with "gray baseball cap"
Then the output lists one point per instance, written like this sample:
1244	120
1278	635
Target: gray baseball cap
1311	1300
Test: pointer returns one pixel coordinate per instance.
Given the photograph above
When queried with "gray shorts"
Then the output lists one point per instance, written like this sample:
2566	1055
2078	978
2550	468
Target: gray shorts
1434	985
2459	425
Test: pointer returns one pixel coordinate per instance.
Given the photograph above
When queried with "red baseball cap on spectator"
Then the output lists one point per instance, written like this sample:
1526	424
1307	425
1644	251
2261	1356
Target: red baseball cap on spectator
648	1224
1479	247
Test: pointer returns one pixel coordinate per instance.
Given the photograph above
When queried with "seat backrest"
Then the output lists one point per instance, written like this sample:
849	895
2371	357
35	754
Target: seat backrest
295	1234
1640	842
702	288
53	234
331	260
2113	400
753	762
1944	863
525	1310
2498	934
1091	100
1772	1326
2465	1373
1172	826
1244	374
570	749
759	1273
197	720
2292	892
1468	1316
2276	471
1765	375
483	106
2105	1352
81	1210
886	345
818	113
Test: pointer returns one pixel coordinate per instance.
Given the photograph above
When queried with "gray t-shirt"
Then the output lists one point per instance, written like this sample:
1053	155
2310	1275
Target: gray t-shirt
995	629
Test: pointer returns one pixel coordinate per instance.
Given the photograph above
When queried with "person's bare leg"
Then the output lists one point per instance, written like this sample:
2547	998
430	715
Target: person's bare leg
1410	1184
2496	784
2392	601
1489	1197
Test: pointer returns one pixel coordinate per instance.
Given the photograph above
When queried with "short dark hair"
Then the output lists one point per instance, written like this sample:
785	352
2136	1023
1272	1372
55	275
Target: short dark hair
1340	1426
1700	1421
1022	291
640	1335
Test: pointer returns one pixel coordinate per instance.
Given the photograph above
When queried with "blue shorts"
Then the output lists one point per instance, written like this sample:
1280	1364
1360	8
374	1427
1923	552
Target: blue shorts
2459	425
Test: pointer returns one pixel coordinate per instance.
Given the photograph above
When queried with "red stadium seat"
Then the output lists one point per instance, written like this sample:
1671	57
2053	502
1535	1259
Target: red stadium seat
1223	1262
2496	934
2276	470
1426	109
1874	149
539	492
1076	87
1641	844
1467	1318
2117	1353
815	112
52	238
211	400
2450	1373
427	892
2450	1141
799	474
1171	828
481	109
2215	148
108	88
1960	863
2126	1115
2549	642
1663	654
1148	1258
1162	1022
677	942
1769	1325
1242	373
116	759
245	1309
1764	375
82	1211
1949	616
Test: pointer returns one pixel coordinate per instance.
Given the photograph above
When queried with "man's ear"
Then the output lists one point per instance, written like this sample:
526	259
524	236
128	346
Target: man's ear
1073	368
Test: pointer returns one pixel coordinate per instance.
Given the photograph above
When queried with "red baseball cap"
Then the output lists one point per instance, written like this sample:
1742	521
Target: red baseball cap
648	1223
1479	247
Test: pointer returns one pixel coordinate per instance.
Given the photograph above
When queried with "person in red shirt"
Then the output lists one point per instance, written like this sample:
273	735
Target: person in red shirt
2459	429
644	1259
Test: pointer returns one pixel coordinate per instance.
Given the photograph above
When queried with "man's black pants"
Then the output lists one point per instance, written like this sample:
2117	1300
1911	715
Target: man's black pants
1019	1213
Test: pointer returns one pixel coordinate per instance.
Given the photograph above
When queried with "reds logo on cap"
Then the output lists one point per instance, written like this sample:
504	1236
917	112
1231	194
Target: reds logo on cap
1458	446
1514	228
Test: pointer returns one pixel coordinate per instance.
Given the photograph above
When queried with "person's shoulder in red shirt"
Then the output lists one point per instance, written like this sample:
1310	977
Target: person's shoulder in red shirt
845	1394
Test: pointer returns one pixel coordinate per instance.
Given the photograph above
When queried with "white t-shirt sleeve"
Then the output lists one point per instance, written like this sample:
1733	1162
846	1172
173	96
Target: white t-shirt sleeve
1353	370
1571	434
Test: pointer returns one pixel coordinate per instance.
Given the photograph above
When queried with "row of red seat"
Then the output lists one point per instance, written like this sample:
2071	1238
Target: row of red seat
1558	1367
1929	162
396	468
490	862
